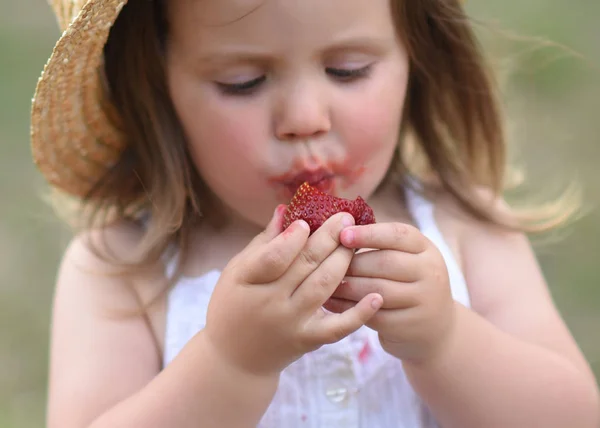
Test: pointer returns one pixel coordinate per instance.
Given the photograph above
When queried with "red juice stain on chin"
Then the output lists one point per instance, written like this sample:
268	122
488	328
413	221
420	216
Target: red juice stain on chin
349	172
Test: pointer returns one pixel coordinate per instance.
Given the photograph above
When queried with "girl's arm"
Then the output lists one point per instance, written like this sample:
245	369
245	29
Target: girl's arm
105	370
511	361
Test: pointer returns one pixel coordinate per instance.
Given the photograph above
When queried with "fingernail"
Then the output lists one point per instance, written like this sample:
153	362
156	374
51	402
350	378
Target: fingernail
376	303
349	236
303	224
347	221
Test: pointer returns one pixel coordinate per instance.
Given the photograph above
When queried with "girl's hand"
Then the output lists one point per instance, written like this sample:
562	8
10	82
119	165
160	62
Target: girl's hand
410	273
266	310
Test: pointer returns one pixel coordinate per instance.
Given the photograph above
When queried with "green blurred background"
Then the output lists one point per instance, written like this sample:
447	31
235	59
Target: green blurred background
552	95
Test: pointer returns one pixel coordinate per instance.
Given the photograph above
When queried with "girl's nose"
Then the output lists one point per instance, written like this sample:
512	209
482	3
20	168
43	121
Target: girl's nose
302	112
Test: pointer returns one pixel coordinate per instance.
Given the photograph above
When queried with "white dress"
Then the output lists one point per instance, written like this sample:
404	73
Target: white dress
349	384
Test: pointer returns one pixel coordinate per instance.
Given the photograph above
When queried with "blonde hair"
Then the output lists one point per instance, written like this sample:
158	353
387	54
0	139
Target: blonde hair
452	137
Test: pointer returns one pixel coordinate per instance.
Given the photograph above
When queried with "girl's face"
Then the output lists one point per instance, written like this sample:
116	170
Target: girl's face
275	92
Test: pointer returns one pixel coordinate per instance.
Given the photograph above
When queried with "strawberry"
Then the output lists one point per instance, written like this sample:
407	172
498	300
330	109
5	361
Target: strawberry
314	206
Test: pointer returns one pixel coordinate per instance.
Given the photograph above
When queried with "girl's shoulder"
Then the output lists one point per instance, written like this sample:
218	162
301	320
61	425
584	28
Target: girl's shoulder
505	281
103	251
497	262
97	310
98	251
97	262
107	255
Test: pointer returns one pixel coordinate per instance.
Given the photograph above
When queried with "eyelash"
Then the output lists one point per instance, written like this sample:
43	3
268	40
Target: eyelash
242	88
349	74
248	87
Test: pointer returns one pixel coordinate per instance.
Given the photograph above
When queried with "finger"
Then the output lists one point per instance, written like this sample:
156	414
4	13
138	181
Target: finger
386	319
274	227
320	245
385	236
338	305
396	295
322	282
334	327
269	261
388	264
381	320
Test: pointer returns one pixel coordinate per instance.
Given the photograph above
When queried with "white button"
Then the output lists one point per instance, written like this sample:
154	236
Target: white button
337	395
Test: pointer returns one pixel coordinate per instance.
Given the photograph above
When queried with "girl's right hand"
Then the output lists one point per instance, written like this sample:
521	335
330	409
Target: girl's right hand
266	309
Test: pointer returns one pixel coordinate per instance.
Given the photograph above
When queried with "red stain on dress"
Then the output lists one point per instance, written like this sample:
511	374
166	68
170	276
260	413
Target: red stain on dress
364	352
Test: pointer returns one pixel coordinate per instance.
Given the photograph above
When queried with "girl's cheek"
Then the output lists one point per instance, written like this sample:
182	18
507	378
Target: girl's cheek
375	128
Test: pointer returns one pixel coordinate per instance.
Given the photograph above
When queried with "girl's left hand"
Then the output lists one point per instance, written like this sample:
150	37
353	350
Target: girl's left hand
410	273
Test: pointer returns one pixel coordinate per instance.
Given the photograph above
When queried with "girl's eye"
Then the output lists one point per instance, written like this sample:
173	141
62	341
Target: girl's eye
242	88
250	86
349	74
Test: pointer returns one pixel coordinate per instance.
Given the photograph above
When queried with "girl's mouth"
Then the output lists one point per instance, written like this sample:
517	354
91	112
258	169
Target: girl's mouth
325	177
322	179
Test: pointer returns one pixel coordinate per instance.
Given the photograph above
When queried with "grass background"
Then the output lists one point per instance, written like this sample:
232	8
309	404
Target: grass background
552	97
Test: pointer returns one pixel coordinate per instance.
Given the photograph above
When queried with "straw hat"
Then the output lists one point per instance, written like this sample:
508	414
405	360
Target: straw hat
73	139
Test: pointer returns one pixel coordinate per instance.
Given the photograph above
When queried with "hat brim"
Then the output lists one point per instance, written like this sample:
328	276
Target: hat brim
73	141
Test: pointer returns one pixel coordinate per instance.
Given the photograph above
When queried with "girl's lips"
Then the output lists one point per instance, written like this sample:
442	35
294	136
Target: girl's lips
319	178
322	179
324	184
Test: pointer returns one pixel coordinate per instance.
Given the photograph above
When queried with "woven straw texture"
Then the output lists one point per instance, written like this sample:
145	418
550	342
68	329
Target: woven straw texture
73	140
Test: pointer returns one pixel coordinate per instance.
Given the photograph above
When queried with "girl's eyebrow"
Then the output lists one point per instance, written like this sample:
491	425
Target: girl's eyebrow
236	55
247	54
366	44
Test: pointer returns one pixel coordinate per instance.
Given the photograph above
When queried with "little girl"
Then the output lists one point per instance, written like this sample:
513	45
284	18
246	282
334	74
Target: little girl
183	127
